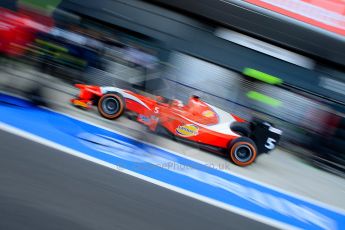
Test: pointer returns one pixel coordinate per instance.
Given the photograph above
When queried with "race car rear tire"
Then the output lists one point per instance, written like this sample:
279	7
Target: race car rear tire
242	151
111	106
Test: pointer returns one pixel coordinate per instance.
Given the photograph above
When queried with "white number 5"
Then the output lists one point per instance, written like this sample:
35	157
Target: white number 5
270	143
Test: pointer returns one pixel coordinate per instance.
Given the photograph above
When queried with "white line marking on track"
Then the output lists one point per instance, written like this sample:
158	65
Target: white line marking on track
242	212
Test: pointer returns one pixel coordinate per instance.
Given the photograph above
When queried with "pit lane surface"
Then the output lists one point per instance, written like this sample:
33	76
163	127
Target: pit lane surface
43	188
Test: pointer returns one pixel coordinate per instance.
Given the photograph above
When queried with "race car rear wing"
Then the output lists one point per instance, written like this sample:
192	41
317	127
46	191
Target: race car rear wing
265	135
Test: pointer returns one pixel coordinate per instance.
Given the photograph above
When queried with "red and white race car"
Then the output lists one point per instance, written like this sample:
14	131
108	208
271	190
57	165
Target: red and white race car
196	122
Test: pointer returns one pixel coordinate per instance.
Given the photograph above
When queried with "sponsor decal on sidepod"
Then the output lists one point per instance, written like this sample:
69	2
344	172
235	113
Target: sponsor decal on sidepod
187	130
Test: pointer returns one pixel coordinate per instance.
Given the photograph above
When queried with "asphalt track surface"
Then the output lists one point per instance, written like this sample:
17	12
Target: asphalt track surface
43	188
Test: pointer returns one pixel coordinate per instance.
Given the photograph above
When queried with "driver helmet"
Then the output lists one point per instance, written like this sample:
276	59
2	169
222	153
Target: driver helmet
177	103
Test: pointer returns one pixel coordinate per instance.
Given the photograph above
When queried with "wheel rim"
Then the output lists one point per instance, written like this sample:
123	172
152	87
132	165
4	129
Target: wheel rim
110	106
243	153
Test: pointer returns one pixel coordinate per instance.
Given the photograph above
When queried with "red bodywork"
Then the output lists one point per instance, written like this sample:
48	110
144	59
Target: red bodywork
195	121
17	30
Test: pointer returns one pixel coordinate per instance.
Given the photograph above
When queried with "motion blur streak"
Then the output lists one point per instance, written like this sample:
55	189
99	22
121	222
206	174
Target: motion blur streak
327	14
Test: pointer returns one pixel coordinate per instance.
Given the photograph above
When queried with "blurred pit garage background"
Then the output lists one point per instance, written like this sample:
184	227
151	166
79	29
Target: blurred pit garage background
281	61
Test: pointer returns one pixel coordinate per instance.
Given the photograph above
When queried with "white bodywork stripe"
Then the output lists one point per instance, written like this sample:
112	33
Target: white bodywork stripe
124	94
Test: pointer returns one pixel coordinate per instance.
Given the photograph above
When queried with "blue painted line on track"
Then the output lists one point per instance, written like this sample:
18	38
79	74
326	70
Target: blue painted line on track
162	165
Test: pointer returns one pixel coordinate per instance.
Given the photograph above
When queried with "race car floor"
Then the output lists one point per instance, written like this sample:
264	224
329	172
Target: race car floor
279	169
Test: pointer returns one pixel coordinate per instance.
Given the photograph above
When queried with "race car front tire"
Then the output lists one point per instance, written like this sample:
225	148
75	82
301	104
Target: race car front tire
242	151
111	106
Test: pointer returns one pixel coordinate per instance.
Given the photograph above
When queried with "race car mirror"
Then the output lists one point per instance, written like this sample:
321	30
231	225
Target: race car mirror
265	136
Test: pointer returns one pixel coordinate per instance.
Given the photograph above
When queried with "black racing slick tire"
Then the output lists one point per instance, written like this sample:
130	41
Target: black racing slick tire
242	151
111	106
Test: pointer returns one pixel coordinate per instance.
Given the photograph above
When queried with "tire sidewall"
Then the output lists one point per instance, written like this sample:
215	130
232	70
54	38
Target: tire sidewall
242	141
119	99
